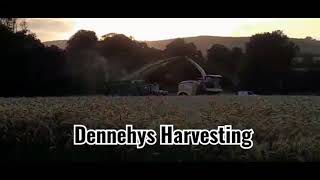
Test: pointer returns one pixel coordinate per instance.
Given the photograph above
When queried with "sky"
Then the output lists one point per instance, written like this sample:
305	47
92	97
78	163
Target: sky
48	29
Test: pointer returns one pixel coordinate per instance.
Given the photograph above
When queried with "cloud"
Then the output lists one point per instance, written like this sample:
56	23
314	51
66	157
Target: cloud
48	29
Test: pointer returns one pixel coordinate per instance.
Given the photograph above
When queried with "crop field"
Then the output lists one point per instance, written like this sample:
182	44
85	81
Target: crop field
287	128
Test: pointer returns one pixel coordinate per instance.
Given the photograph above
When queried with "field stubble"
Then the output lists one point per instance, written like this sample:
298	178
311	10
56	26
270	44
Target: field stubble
287	128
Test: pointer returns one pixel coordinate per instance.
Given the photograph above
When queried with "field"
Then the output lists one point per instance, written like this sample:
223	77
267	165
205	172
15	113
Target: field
287	128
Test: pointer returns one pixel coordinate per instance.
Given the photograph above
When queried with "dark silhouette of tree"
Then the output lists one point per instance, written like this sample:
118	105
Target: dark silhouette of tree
10	23
27	67
236	52
86	68
23	26
179	47
115	44
309	38
218	51
171	74
103	37
268	62
168	76
226	62
82	40
126	55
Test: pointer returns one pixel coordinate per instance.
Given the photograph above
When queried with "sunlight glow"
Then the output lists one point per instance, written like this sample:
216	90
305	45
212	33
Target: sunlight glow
167	28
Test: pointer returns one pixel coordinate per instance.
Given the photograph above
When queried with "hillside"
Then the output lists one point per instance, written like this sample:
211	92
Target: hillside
204	42
60	43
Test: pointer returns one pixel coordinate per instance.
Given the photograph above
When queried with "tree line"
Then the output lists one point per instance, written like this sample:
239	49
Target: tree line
29	68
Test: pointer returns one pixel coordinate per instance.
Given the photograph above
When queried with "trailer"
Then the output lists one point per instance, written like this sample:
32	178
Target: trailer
132	88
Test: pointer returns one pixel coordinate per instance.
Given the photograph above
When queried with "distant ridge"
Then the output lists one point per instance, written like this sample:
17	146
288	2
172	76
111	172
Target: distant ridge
205	42
60	43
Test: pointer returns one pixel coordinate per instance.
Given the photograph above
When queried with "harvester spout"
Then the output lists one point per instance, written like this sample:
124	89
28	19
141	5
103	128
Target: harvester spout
151	67
200	69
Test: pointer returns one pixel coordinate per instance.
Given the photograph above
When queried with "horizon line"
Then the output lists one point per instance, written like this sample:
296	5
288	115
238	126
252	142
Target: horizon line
315	39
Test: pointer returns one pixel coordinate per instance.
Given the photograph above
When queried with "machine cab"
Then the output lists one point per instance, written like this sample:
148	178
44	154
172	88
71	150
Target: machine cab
189	88
209	84
212	81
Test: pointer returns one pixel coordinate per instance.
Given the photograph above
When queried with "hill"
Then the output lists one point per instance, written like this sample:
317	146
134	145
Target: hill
204	42
60	43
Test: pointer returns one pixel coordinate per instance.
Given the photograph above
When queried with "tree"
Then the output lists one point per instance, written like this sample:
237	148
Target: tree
172	73
86	67
103	37
179	47
219	53
236	53
23	26
169	75
268	61
82	40
125	54
222	60
27	67
10	23
309	38
218	59
114	44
